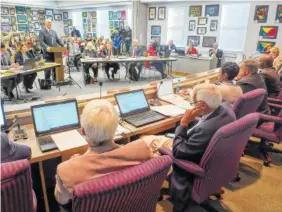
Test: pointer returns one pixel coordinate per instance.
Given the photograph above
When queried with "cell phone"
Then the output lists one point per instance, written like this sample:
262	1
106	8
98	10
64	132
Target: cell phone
170	135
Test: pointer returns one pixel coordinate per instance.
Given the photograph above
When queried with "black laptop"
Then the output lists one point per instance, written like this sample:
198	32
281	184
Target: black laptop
135	109
29	64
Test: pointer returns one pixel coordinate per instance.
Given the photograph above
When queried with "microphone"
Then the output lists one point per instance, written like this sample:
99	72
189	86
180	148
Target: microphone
100	84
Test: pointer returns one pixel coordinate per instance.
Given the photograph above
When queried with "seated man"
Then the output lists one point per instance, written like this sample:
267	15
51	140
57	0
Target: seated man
74	51
109	52
11	151
270	75
90	51
190	144
171	46
99	121
249	80
135	51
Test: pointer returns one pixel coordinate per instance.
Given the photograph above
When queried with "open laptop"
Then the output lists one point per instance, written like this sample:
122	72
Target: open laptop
135	109
29	64
53	118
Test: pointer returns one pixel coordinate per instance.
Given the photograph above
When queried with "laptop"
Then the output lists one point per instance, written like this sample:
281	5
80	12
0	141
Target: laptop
29	64
52	118
135	109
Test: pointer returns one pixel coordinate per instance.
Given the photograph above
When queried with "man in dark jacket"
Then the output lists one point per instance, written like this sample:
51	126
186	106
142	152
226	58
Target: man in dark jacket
216	53
75	32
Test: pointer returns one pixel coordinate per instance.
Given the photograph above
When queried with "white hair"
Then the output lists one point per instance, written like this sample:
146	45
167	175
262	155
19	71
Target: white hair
208	93
99	120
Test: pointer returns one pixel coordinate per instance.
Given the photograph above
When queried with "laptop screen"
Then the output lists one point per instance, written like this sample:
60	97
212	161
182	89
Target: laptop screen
53	117
132	102
3	122
166	88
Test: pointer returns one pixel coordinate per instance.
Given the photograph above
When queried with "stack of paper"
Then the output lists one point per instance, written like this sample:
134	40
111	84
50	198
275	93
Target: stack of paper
121	130
169	110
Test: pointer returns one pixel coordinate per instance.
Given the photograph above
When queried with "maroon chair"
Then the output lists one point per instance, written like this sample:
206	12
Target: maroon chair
133	189
277	100
16	187
220	162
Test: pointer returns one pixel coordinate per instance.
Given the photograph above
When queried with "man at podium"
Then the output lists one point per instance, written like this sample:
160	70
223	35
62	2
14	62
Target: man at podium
49	38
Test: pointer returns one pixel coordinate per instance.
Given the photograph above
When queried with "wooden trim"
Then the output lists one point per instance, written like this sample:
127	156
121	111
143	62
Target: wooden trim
44	190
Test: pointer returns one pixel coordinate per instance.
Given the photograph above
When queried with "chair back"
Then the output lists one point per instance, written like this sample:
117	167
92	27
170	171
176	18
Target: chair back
222	156
16	187
132	189
279	95
248	102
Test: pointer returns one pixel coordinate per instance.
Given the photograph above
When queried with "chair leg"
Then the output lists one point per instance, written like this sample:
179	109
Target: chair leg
263	150
237	178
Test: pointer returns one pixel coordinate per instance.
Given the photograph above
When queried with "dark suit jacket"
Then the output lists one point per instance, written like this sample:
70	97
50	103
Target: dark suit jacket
19	57
253	82
272	81
192	145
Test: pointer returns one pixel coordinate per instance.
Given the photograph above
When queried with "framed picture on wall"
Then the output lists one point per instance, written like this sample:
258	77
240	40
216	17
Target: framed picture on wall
116	24
161	13
110	15
65	15
4	11
156	38
49	12
41	12
213	25
94	14
261	12
66	29
152	13
29	19
278	16
21	19
195	11
20	10
119	15
265	46
156	30
12	11
13	20
5	19
192	25
28	10
14	27
114	16
194	39
212	10
49	17
202	21
70	22
34	12
22	27
57	17
208	41
35	18
66	22
37	25
201	30
269	32
123	15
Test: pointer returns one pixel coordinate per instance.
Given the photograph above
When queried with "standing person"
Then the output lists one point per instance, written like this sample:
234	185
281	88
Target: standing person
90	51
127	37
171	46
108	52
135	51
49	38
75	32
215	52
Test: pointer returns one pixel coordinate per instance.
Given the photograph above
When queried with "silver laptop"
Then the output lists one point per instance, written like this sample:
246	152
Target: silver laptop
29	64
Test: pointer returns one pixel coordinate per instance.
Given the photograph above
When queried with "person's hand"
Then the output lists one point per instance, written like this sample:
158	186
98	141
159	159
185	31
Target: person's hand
48	49
190	115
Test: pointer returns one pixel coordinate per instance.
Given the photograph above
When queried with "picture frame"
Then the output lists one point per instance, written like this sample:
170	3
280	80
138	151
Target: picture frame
268	32
57	17
5	19
41	12
14	27
94	20
28	10
152	13
116	24
265	46
66	22
49	17
94	14
111	24
49	12
5	11
70	22
65	15
31	26
278	16
29	19
155	30
212	10
21	19
161	13
94	35
13	20
123	15
196	40
36	25
201	30
156	38
119	15
35	18
22	27
110	15
208	41
36	33
202	21
20	10
114	16
195	11
6	28
261	13
35	12
213	25
192	25
12	11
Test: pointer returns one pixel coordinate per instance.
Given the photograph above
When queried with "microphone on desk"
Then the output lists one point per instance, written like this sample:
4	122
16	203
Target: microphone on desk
100	84
18	131
155	101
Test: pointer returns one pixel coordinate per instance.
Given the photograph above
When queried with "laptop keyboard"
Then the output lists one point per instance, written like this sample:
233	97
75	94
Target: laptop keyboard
144	118
45	140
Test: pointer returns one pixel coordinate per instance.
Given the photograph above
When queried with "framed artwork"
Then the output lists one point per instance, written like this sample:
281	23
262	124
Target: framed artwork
202	21
152	13
41	12
261	13
28	10
34	12
111	24
119	15
84	21
116	24
29	19
89	14
4	11
278	16
212	10
201	30
195	11
31	26
22	27
57	17
161	13
13	20
94	20
14	28
6	28
269	32
123	15
66	22
85	27
208	41
49	17
35	18
94	35
265	46
70	22
20	10
31	34
12	11
156	38
121	24
114	16
213	25
94	27
36	25
192	25
5	19
66	29
194	39
94	14
65	15
156	30
21	19
49	12
110	15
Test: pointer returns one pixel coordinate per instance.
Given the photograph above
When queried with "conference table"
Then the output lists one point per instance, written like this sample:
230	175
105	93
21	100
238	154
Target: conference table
24	117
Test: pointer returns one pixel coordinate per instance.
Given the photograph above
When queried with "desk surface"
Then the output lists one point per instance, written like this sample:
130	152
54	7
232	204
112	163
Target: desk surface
125	59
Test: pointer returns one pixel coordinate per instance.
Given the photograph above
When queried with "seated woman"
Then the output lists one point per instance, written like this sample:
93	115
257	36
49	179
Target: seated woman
99	121
191	49
20	57
74	51
89	37
13	44
90	51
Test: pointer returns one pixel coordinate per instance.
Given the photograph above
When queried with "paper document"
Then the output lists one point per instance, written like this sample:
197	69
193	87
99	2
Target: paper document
183	104
68	140
121	130
169	110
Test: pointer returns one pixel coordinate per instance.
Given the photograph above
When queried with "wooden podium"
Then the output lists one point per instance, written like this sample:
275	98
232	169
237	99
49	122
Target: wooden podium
59	59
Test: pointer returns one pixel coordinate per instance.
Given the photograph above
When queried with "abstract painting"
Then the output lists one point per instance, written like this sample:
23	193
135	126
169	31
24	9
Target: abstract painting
278	16
268	32
155	30
28	10
195	11
212	10
265	46
20	10
194	39
123	15
261	12
5	19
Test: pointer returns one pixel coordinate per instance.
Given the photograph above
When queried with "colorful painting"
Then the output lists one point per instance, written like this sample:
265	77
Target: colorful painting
161	13
265	46
114	16
278	16
156	30
261	13
29	19
84	14
195	11
20	10
194	39
208	41
268	32
123	15
119	15
5	19
110	15
12	11
6	28
202	21
152	13
116	24
111	24
212	10
28	10
22	27
49	12
4	11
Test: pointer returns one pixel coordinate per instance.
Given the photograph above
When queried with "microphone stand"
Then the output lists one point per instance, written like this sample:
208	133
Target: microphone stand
100	84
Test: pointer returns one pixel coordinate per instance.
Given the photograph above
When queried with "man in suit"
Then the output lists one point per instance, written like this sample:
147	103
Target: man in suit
135	51
217	53
249	80
49	38
190	144
75	32
270	75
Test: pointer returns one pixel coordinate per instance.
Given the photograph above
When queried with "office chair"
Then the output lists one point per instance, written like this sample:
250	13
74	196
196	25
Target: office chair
16	187
133	189
220	162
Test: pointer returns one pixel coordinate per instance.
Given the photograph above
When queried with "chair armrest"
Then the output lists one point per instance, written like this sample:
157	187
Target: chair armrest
274	105
190	167
273	100
166	151
271	118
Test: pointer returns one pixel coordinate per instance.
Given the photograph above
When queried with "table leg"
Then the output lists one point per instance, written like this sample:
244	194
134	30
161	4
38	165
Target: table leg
44	190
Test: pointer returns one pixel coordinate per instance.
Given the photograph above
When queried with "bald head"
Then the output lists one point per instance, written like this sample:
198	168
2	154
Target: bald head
265	61
48	23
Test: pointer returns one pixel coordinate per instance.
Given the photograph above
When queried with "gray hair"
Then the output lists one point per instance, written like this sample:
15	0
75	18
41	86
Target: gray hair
251	65
99	120
209	94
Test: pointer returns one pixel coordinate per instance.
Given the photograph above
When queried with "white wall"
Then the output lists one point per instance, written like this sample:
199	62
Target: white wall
31	3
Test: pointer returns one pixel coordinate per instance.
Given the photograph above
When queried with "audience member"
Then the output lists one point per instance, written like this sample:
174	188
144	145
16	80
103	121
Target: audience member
90	51
191	49
89	37
171	46
249	80
215	52
13	44
270	75
75	32
277	63
190	144
74	52
99	121
135	51
116	40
